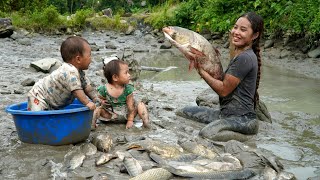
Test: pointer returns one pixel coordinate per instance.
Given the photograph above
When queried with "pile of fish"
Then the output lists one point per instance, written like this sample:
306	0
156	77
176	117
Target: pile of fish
147	159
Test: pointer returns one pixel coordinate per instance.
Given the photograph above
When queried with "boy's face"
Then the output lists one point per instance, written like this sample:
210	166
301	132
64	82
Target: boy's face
85	59
124	76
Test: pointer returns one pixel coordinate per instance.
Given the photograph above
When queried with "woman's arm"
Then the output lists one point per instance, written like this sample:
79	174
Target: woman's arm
222	88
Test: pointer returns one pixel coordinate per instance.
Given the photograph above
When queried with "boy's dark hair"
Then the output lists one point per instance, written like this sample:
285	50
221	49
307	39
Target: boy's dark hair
72	47
112	68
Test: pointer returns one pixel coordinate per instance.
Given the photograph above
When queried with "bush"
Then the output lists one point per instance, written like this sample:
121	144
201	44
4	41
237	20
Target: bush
106	23
47	20
79	18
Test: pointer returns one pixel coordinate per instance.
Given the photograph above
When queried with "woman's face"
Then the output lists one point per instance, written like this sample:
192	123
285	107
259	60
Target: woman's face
242	33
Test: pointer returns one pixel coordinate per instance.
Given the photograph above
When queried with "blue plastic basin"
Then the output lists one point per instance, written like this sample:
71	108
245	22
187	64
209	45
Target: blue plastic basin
57	127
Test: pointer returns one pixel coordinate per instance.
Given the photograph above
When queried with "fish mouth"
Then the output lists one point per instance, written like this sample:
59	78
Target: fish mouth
168	32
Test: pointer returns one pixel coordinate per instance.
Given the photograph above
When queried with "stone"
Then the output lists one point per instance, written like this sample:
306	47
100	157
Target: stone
268	43
44	65
28	82
314	53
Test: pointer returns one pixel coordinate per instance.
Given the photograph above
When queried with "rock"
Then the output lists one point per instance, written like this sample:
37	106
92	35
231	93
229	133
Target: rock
6	28
130	30
2	91
268	43
314	53
28	82
110	45
166	45
18	91
44	65
24	41
107	12
284	53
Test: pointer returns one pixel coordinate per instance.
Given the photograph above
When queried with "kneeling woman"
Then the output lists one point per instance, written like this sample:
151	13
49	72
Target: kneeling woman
236	118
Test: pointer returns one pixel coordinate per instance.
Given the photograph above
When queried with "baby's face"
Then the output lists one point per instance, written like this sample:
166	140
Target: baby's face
124	76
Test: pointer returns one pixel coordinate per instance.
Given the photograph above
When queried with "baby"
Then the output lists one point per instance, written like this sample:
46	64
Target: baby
68	82
117	96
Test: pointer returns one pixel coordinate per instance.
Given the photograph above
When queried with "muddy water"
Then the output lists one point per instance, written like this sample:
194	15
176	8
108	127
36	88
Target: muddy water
281	90
291	100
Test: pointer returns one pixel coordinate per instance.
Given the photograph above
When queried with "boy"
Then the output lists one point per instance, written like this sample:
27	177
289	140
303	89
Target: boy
118	96
68	82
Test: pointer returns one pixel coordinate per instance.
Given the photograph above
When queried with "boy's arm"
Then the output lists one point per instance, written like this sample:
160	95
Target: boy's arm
131	114
91	93
80	94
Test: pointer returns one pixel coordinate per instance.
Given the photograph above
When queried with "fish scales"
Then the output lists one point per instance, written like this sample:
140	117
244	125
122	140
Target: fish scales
76	161
103	142
196	48
238	174
133	166
158	147
154	174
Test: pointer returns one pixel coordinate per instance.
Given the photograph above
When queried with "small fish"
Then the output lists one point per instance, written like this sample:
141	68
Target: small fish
198	149
104	158
76	161
154	174
196	49
103	142
132	165
88	149
158	147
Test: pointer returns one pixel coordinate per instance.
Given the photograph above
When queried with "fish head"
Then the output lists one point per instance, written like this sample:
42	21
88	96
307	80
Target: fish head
177	35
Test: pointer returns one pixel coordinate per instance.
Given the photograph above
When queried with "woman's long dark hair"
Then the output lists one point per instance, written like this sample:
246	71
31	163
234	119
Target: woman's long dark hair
257	27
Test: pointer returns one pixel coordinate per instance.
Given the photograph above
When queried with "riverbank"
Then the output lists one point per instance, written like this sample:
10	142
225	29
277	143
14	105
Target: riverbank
293	136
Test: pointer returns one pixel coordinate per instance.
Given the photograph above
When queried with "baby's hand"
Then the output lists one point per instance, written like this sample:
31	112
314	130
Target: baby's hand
91	105
129	124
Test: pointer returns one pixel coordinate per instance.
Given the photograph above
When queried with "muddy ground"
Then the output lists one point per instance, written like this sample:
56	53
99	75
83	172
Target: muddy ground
293	136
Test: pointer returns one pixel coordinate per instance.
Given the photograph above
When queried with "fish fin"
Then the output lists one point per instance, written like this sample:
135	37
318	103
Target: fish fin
196	52
191	65
217	51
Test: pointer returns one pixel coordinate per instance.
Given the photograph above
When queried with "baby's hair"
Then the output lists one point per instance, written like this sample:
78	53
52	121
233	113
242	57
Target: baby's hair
112	68
72	47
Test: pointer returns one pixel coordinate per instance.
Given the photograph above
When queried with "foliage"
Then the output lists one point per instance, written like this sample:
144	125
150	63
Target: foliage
106	23
47	20
78	19
22	5
162	15
280	16
219	15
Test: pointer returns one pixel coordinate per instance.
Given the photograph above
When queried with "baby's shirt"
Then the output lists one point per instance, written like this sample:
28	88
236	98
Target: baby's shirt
116	102
56	88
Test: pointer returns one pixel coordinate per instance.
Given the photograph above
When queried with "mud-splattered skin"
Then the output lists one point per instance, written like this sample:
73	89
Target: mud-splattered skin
196	49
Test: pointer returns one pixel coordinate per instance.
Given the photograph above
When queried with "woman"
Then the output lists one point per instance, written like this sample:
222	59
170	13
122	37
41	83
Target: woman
236	118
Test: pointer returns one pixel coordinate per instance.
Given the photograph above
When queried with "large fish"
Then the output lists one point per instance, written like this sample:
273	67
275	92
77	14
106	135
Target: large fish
196	49
158	147
103	142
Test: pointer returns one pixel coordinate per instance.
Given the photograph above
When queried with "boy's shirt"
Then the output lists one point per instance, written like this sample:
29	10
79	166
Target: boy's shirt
56	88
116	102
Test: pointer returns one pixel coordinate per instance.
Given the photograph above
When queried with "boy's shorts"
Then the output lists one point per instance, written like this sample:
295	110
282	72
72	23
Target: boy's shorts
37	104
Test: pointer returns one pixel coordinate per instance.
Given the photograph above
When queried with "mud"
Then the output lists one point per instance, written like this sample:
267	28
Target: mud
293	136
